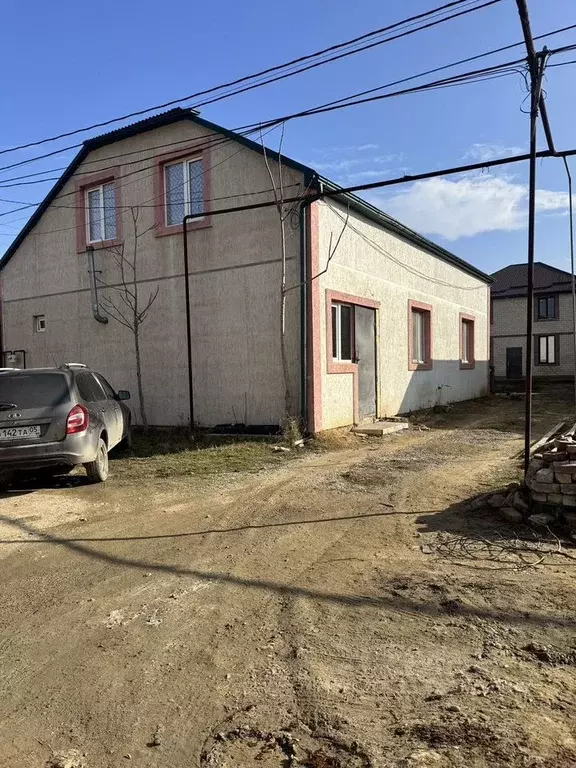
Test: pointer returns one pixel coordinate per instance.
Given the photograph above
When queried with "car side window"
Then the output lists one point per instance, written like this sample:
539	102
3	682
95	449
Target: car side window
110	394
89	389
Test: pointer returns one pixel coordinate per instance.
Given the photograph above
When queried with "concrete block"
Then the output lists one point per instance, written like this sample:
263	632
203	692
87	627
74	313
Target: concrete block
570	518
519	503
541	519
381	428
549	456
543	497
563	479
565	467
555	498
547	487
544	475
571	450
497	501
568	501
569	490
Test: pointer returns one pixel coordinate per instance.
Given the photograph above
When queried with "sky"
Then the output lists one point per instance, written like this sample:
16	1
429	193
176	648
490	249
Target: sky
66	66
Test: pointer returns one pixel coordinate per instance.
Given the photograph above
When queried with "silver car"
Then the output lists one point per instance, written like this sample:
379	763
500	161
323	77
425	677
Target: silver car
53	419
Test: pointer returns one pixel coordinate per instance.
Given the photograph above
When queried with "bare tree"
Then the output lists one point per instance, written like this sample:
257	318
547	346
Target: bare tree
284	212
124	304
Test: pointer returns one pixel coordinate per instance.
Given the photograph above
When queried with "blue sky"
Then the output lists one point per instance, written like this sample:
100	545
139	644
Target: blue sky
67	64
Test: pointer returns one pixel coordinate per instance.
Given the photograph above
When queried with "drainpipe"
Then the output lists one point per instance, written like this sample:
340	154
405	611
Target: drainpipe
185	220
94	287
304	278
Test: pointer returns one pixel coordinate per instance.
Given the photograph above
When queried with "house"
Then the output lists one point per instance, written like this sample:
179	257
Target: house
379	320
553	340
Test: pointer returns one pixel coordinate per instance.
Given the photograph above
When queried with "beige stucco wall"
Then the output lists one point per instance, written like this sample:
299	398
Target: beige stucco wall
234	286
403	272
508	329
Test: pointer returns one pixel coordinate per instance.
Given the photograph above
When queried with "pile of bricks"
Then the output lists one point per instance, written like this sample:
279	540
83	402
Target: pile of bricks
551	476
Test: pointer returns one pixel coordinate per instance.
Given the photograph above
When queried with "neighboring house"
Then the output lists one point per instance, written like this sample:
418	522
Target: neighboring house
553	340
388	323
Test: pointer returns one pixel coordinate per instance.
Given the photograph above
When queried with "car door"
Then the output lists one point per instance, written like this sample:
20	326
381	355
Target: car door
113	407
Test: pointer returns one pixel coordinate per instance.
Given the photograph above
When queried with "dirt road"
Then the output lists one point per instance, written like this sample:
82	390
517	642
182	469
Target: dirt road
325	614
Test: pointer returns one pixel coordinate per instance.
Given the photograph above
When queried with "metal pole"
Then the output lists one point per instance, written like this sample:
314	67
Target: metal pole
535	83
572	270
188	328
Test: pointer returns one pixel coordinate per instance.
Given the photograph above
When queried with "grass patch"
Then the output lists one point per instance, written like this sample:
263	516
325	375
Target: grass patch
173	453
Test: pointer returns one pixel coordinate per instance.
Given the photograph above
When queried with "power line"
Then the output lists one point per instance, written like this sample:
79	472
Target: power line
560	30
486	73
270	70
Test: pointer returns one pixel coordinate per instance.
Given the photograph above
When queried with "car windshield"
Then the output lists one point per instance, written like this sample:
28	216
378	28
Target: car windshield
34	390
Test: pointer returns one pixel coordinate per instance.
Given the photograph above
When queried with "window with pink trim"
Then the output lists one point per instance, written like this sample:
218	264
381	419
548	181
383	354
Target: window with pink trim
342	332
100	207
419	337
467	352
183	189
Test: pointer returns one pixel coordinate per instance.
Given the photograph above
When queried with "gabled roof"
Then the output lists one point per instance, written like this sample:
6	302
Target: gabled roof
312	179
512	281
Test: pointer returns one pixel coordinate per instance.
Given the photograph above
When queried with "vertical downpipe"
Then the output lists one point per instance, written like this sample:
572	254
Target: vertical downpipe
94	287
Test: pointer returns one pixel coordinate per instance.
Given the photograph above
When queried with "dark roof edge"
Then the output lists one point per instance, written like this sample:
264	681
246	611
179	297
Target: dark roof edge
39	212
311	177
392	225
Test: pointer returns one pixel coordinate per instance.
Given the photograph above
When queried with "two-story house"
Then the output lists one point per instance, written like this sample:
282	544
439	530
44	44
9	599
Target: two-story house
379	320
553	340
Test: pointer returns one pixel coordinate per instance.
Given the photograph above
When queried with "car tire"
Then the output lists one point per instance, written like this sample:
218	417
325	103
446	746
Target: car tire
128	441
97	470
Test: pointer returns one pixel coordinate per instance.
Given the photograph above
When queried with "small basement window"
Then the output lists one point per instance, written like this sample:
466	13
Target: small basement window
342	315
39	323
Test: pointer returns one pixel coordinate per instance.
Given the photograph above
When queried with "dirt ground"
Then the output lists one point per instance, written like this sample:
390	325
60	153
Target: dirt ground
345	609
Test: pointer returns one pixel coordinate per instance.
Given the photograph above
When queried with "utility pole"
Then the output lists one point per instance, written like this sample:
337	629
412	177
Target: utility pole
185	221
536	64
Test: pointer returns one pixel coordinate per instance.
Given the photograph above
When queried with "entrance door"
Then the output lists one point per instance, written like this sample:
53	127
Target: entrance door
513	362
365	336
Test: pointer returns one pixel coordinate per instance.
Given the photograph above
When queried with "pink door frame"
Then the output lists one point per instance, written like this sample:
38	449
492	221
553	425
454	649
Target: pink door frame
316	369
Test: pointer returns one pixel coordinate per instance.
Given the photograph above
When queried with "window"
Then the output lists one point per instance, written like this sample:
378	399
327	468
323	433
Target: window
420	339
183	189
88	388
34	390
110	394
467	359
39	323
342	315
101	212
546	349
546	308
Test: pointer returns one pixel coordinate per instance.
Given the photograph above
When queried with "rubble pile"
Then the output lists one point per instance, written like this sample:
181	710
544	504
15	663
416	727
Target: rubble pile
551	479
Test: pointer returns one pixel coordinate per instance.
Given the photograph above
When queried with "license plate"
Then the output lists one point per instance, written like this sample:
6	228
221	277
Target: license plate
14	433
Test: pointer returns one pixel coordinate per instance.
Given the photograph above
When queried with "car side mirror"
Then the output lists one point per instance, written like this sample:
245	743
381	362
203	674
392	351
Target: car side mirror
123	394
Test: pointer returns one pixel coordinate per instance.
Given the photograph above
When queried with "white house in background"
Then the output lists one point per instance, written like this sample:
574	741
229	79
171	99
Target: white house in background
553	341
391	323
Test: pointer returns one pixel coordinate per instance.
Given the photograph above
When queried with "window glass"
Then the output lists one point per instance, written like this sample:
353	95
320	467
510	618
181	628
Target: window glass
37	390
88	388
175	193
551	349
335	331
94	215
109	204
345	332
106	387
196	182
418	337
465	342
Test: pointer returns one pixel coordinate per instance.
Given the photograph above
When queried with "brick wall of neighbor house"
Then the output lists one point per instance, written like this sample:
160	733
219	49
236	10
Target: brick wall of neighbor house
396	274
234	291
508	329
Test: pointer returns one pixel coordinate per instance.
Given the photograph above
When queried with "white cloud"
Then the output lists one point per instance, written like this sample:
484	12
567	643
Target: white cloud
468	206
485	152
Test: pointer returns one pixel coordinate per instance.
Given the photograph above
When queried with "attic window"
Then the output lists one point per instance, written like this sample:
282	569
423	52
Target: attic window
100	212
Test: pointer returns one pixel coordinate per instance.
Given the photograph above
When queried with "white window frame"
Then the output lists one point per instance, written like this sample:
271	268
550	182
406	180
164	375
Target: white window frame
40	323
546	337
186	162
337	332
100	189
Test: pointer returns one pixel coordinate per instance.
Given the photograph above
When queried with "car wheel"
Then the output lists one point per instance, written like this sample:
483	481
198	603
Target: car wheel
97	470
